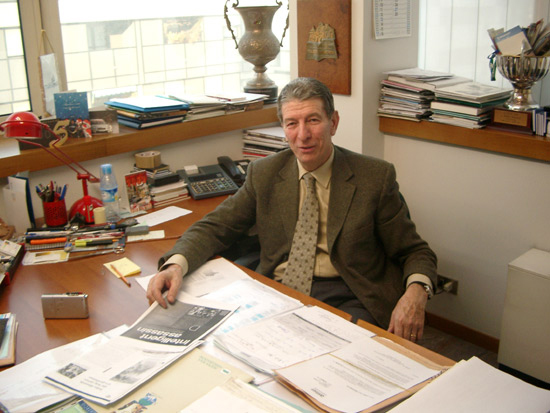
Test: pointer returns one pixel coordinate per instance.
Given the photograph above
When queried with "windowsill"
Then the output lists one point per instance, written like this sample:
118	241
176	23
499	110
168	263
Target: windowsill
129	140
525	146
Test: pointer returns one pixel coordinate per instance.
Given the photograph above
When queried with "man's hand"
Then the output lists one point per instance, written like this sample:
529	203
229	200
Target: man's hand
168	279
407	318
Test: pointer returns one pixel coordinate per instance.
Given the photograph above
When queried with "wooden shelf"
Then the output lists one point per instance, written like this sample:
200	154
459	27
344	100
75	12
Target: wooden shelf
129	140
526	146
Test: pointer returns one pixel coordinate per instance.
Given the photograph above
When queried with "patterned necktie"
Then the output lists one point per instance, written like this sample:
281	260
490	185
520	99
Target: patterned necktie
299	271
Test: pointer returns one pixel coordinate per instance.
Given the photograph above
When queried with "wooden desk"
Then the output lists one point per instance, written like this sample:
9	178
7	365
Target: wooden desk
111	303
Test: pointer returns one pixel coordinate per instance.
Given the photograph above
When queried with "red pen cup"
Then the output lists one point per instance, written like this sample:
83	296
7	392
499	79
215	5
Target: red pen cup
55	213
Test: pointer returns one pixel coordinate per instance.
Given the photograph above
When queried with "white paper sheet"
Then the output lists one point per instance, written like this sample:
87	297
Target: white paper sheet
164	215
357	376
475	386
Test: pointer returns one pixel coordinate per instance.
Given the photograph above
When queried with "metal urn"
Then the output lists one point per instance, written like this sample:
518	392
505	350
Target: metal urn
258	45
522	72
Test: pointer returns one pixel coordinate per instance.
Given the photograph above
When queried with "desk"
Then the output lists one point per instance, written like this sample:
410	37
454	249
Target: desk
111	303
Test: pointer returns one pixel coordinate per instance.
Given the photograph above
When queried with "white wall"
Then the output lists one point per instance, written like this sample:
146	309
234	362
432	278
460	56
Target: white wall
479	211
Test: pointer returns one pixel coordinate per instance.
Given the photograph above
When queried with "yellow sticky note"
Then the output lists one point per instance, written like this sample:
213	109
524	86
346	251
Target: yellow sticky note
124	266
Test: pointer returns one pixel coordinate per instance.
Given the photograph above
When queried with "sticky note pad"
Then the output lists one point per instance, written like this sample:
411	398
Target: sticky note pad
124	266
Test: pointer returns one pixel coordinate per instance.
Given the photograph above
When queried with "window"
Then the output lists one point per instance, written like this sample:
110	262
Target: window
14	94
130	47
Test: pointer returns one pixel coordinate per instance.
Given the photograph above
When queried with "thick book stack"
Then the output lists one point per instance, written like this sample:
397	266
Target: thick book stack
467	105
401	101
148	111
261	142
407	94
8	331
168	194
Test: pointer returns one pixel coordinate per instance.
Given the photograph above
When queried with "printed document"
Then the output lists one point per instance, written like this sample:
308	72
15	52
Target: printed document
355	377
286	339
157	339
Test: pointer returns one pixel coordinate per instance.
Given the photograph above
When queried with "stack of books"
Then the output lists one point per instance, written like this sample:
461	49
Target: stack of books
168	194
398	100
148	111
261	142
407	93
467	105
540	121
8	330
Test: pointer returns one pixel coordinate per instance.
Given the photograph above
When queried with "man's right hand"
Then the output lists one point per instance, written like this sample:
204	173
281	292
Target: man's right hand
169	279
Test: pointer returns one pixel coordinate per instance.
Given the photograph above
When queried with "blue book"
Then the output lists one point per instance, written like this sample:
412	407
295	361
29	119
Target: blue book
147	104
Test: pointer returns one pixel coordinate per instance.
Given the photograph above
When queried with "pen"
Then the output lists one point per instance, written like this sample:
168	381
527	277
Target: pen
117	272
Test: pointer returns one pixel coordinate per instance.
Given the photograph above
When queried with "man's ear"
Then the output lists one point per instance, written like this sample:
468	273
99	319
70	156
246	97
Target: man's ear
335	119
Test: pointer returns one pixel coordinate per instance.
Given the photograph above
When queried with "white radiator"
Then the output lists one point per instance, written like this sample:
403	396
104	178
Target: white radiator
525	332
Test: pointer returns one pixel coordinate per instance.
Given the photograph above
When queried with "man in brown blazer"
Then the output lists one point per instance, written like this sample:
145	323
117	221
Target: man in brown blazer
369	259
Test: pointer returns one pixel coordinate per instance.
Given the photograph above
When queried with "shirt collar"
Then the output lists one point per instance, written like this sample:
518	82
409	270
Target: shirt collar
322	174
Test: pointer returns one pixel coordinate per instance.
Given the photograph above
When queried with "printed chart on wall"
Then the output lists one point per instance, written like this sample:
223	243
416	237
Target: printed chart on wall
391	18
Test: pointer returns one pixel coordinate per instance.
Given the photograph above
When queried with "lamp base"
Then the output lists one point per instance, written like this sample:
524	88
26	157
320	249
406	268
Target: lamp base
85	207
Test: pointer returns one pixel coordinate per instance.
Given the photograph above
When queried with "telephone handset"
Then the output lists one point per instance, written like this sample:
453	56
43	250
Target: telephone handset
235	169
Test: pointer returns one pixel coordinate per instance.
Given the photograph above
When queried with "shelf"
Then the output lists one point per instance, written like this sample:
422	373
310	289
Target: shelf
526	146
129	140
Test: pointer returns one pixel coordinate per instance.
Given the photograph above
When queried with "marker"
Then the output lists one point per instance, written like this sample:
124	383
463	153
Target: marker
89	243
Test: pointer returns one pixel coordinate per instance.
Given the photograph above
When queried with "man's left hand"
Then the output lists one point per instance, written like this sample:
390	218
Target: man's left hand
407	318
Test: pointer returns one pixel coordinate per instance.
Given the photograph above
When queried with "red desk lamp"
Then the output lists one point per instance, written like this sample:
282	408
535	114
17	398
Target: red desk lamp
25	125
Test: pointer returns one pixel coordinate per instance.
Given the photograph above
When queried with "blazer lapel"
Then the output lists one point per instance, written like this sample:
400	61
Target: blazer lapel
287	193
341	195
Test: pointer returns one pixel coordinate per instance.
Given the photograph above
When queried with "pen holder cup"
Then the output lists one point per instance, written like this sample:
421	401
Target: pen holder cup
55	213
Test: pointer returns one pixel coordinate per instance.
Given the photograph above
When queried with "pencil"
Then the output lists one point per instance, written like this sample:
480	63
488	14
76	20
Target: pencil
122	277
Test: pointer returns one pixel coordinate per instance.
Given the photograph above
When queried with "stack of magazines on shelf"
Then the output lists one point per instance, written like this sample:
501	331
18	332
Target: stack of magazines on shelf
261	142
407	93
147	111
468	104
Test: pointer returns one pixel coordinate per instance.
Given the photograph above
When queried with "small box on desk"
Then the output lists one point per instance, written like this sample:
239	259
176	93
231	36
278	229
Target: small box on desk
163	179
512	120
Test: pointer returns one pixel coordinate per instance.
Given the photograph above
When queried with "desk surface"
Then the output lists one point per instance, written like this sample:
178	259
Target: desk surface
111	303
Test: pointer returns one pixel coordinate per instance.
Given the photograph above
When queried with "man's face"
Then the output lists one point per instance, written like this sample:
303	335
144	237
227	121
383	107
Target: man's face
309	131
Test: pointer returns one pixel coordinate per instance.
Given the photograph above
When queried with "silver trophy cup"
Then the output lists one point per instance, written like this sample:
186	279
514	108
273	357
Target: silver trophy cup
522	72
258	45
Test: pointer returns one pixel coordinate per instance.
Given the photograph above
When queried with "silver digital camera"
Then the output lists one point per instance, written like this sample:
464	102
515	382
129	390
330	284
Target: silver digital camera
68	305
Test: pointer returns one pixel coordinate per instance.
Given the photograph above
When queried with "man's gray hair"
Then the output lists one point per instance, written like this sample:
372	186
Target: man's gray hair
304	88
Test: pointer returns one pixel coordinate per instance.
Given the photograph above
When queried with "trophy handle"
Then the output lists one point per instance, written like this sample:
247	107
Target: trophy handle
228	22
279	3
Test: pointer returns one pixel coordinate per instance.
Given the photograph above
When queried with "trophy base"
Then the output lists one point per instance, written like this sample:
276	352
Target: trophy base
270	91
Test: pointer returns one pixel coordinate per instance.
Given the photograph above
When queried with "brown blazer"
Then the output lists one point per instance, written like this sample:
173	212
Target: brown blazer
371	240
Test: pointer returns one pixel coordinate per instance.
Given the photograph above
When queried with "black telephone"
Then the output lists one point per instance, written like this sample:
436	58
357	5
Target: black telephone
215	180
235	169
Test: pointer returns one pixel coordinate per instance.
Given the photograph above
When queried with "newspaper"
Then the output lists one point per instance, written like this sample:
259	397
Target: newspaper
158	338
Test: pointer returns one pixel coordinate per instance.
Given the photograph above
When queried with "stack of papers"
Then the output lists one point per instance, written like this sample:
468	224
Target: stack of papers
533	40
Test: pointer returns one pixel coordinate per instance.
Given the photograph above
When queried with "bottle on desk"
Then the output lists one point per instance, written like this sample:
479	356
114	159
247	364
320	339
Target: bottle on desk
109	192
